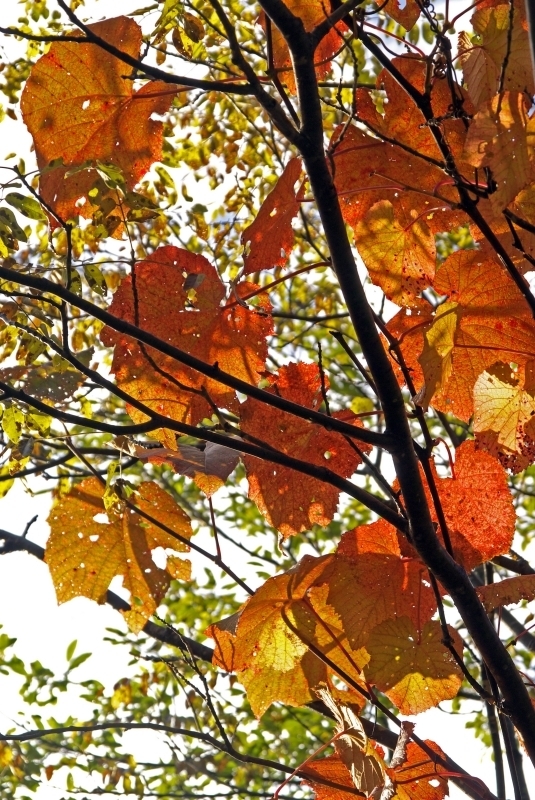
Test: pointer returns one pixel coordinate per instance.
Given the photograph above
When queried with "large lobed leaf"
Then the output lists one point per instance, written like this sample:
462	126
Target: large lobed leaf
88	546
80	106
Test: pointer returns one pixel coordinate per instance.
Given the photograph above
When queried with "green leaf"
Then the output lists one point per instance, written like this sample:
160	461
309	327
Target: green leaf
28	206
79	660
70	649
95	279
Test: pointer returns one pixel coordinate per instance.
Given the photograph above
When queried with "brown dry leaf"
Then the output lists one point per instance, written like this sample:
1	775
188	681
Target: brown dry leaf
507	592
365	765
209	466
290	501
270	238
88	547
504	415
79	106
499	138
412	667
398	250
179	299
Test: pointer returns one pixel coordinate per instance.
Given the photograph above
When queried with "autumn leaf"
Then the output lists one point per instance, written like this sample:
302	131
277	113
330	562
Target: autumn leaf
382	583
398	250
88	547
500	137
419	777
290	501
80	107
504	411
365	765
311	13
405	12
508	592
412	666
485	320
477	505
332	768
484	55
368	171
178	297
268	643
269	240
271	660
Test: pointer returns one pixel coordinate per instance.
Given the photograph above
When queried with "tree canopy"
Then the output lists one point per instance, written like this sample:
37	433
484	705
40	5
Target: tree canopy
267	337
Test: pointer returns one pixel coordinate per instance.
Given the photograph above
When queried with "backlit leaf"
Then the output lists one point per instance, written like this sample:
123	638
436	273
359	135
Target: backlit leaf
290	501
486	320
419	777
398	251
412	667
382	583
269	240
179	298
507	592
79	105
499	138
87	548
312	13
504	413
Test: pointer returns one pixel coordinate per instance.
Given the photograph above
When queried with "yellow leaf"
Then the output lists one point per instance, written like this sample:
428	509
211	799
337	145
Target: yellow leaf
87	548
398	249
413	668
504	403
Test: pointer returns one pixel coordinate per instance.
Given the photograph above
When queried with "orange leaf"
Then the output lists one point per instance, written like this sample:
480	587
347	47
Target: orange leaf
486	320
269	240
84	553
312	13
504	414
478	506
267	643
332	768
412	667
272	662
419	777
406	13
381	583
179	296
290	501
368	170
79	106
507	592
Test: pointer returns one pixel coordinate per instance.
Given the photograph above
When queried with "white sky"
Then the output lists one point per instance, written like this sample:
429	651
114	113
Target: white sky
28	608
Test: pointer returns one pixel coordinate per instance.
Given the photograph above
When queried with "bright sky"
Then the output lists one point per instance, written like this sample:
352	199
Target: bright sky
28	608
